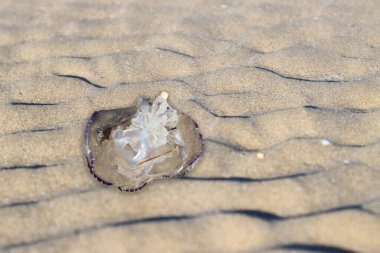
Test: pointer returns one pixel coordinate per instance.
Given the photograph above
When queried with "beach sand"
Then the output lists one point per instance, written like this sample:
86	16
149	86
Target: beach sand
286	95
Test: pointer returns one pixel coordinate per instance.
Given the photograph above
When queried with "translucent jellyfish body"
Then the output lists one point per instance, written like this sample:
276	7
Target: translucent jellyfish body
129	147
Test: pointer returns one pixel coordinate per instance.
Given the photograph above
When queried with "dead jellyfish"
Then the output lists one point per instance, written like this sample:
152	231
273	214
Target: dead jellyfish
129	147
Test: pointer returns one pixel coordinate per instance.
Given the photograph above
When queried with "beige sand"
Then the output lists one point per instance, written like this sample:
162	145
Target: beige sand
286	93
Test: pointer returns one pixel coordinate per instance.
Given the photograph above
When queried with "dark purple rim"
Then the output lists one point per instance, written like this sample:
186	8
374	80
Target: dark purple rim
90	158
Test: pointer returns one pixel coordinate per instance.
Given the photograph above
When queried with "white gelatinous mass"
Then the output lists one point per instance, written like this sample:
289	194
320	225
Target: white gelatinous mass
130	147
154	126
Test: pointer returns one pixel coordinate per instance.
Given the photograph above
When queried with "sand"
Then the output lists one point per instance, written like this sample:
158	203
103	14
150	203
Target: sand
286	94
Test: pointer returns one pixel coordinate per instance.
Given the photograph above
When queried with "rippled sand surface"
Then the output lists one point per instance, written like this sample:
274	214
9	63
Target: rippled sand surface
286	94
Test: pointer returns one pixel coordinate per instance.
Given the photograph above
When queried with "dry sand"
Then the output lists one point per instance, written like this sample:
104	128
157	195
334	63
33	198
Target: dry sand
286	94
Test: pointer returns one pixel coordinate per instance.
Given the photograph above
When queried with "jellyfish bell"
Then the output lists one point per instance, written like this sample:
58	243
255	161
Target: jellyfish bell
129	147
